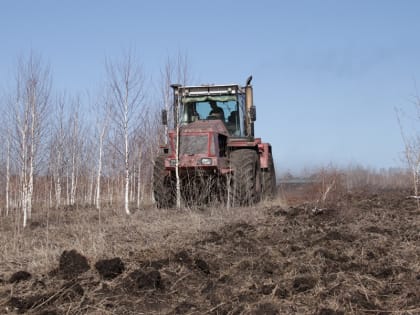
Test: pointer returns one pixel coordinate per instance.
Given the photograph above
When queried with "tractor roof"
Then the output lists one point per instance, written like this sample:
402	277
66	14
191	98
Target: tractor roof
210	90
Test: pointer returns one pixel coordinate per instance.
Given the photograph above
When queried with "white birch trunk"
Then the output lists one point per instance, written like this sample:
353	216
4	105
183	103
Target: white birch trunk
139	180
32	145
50	204
24	200
127	184
178	181
57	189
73	179
126	152
74	162
90	190
131	186
110	192
30	189
23	179
67	188
8	177
99	173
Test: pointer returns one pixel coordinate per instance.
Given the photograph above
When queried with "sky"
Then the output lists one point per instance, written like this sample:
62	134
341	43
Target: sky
328	75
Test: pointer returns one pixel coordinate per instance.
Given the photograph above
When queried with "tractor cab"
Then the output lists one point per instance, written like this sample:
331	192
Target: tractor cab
205	103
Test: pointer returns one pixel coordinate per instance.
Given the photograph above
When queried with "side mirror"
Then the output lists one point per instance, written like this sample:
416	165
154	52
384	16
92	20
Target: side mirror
253	113
164	117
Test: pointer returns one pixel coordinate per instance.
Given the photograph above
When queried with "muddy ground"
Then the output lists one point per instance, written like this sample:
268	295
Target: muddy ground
358	255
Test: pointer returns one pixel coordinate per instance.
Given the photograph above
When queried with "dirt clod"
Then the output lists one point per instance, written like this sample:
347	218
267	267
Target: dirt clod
23	304
303	283
49	312
281	293
72	289
267	289
183	308
72	264
202	265
183	257
20	276
34	225
110	268
265	309
140	280
328	311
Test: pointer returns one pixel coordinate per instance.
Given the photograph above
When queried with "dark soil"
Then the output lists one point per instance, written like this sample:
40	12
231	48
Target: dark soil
110	268
72	264
360	257
20	276
141	280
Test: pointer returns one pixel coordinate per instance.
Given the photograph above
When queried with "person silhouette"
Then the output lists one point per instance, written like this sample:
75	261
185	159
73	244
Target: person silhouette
216	112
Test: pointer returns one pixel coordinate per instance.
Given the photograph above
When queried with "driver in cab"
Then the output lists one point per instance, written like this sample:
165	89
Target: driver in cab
216	112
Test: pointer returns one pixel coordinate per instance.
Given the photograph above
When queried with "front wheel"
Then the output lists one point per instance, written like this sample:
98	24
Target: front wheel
245	182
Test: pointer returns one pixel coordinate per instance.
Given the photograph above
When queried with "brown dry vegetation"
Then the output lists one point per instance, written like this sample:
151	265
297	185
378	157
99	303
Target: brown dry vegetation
359	255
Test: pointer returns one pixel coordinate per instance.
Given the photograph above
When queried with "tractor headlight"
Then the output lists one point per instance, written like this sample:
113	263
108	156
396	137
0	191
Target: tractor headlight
205	161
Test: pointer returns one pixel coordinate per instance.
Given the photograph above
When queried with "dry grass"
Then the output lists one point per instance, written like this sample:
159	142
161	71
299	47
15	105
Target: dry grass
155	231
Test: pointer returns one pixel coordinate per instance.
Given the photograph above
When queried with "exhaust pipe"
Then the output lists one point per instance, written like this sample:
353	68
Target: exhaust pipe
251	114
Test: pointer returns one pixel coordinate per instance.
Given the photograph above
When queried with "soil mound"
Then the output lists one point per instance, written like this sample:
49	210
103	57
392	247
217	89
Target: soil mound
20	276
140	280
110	268
304	283
72	264
49	312
183	257
202	265
328	311
23	304
265	309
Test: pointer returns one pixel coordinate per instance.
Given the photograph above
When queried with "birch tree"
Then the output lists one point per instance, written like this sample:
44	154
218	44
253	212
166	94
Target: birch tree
74	151
29	107
57	148
126	84
410	134
102	110
175	71
6	149
5	163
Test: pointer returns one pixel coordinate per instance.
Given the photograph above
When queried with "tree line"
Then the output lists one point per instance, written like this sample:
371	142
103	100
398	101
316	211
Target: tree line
60	150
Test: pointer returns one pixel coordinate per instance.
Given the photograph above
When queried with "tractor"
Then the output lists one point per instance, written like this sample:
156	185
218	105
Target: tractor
211	152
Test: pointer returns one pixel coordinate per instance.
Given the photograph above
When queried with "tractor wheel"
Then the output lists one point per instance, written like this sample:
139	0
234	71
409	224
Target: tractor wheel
245	183
163	188
269	180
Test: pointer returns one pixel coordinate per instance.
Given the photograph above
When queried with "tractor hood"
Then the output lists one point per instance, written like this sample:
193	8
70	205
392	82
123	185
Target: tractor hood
199	126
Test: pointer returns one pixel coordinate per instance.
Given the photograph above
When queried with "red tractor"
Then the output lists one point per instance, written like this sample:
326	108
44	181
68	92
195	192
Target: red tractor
212	149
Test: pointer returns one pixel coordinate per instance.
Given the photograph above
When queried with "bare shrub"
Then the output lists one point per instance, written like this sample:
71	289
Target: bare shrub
328	186
411	138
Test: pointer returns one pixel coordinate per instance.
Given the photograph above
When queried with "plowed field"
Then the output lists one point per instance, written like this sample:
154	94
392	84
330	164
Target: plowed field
359	255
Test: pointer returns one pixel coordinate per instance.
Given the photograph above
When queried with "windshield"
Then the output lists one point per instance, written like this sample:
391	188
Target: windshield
225	108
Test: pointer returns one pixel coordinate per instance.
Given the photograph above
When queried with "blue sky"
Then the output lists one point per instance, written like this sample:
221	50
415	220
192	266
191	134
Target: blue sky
327	74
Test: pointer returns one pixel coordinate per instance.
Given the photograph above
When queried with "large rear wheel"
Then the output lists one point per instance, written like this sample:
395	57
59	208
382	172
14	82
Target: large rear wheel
163	186
245	182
